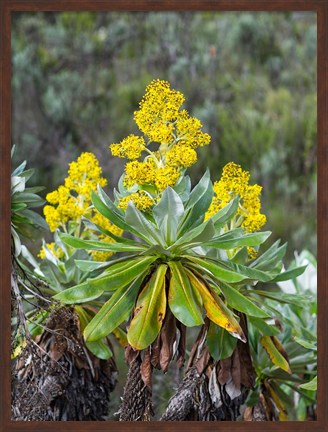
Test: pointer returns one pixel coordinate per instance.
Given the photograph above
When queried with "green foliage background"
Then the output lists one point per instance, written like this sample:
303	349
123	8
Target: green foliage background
249	77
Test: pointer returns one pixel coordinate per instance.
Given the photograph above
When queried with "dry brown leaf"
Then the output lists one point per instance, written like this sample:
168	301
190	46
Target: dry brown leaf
146	369
224	373
181	345
155	352
236	369
168	337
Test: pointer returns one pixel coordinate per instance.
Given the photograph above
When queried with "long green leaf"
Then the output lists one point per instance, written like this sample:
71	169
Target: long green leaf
98	245
220	342
113	312
241	303
280	297
311	385
220	273
121	274
108	209
118	239
112	265
79	294
149	312
253	239
199	200
263	327
185	303
271	257
290	274
100	349
89	266
168	213
144	227
196	236
223	216
119	277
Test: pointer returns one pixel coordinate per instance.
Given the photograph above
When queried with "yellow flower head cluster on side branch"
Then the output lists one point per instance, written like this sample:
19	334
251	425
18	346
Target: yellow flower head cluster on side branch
176	134
235	181
129	148
54	249
71	201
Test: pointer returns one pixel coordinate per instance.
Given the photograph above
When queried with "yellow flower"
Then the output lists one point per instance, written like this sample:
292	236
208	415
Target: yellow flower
252	253
140	199
181	155
160	104
52	217
139	172
130	147
71	201
234	181
56	251
188	131
166	176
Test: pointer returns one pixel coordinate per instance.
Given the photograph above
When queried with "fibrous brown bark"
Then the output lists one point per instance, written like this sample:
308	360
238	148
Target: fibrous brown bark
58	379
136	403
212	390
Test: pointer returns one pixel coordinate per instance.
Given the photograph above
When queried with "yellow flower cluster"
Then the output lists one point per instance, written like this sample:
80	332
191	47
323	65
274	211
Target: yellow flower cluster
166	176
141	199
54	249
158	109
140	172
188	131
129	148
162	121
71	201
181	155
235	181
84	175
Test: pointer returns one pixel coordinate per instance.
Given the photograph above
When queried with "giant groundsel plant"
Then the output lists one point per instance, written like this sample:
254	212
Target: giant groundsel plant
188	256
177	261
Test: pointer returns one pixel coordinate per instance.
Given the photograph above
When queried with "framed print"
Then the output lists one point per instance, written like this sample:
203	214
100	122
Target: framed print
164	208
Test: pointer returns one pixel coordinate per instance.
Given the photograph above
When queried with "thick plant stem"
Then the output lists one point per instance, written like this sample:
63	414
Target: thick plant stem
181	406
137	396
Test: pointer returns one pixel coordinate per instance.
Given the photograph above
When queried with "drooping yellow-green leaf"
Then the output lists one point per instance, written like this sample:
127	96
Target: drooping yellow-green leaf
113	312
272	349
185	302
283	415
149	311
215	309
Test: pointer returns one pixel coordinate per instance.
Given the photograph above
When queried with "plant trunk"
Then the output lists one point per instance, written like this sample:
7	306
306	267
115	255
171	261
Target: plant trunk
58	379
212	390
137	396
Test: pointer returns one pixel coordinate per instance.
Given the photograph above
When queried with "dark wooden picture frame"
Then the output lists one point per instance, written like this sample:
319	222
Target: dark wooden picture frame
320	7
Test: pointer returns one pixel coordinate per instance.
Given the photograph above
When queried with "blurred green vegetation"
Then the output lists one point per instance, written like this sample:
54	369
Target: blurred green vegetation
249	77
